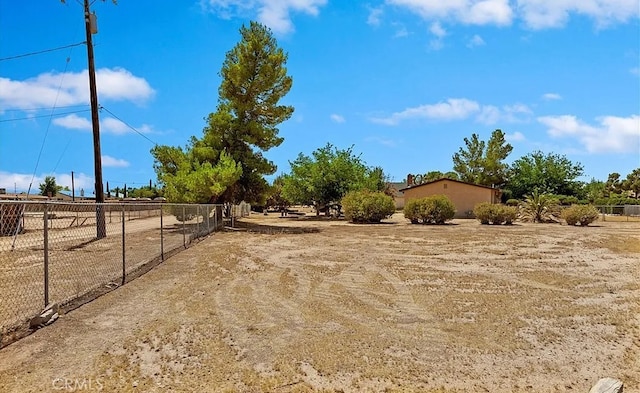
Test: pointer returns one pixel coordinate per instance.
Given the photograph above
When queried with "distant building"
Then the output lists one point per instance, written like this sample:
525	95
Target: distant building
465	196
398	196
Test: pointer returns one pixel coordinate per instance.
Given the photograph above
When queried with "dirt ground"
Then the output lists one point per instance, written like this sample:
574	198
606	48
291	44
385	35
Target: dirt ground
305	305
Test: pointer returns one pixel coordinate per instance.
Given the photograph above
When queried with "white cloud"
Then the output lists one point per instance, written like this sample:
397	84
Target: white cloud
21	181
452	109
72	88
551	96
475	12
489	114
108	125
459	109
635	71
612	135
73	122
515	137
541	14
536	14
337	118
439	32
475	41
272	13
108	161
382	141
401	32
375	13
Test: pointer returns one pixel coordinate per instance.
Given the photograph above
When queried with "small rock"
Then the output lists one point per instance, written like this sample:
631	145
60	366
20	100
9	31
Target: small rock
48	315
607	385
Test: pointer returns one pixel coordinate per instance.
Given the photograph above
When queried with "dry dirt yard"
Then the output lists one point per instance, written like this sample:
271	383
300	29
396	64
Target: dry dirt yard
302	305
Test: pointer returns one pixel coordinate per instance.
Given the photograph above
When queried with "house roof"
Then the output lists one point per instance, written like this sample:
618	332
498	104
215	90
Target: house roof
448	179
398	186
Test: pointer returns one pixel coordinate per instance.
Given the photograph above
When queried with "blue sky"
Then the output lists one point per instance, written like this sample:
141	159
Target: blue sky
404	81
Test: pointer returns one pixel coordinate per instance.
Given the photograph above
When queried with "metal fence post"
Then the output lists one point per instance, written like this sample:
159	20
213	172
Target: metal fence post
184	233
197	220
124	248
46	255
208	226
161	237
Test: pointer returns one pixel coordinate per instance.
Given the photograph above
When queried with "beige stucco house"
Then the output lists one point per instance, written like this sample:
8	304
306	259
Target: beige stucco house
465	196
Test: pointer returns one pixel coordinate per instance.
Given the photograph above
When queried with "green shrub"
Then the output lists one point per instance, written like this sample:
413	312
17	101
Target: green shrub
580	214
366	206
510	214
616	200
513	202
411	210
434	209
566	200
491	213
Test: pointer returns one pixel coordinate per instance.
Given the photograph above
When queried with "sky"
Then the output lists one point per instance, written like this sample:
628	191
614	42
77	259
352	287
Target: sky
402	81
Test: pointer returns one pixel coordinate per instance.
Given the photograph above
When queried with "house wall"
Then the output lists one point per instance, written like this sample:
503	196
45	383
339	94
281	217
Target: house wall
464	196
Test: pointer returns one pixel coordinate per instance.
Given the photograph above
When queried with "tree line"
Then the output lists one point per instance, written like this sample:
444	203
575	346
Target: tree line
227	163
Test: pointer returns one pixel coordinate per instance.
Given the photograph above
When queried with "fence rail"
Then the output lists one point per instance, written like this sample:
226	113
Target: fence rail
69	253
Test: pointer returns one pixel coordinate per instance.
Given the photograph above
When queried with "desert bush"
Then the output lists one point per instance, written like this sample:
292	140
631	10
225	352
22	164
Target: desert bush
434	209
491	213
580	214
411	210
539	207
366	206
510	214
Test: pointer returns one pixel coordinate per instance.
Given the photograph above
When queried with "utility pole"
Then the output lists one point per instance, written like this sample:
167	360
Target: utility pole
97	156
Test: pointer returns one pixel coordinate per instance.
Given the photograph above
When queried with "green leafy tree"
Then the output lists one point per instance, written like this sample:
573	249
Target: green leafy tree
432	176
328	175
632	183
188	176
274	195
468	163
49	187
549	174
613	185
482	162
593	190
254	80
227	164
144	192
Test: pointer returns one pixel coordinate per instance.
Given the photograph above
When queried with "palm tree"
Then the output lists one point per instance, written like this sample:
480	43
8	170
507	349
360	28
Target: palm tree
49	187
539	207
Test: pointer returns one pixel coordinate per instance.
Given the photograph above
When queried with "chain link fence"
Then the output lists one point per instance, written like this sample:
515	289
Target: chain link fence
70	253
629	212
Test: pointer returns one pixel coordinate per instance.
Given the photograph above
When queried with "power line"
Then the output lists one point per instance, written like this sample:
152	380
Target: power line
44	109
42	51
126	124
50	115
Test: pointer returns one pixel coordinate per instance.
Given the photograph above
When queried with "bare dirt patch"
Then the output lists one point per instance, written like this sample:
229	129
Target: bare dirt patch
296	305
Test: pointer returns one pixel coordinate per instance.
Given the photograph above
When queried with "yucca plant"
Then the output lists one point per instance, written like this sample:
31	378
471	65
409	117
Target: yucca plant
539	207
